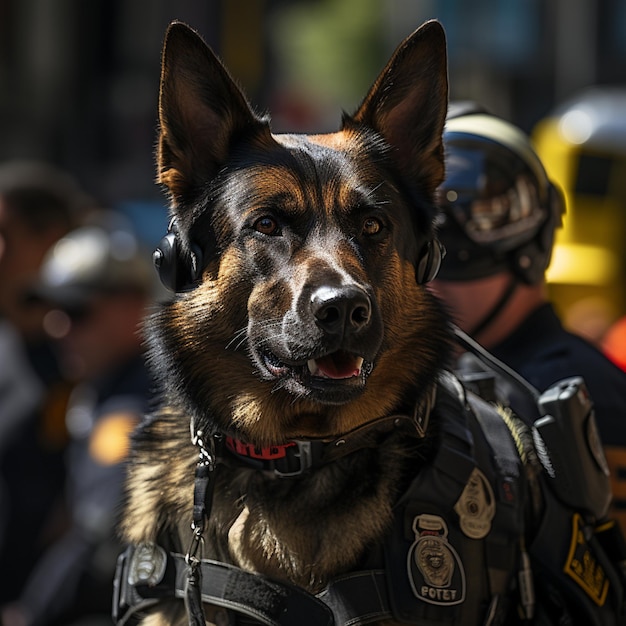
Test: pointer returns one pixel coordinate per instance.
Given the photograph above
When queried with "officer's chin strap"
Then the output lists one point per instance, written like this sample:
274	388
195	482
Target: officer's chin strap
496	309
204	483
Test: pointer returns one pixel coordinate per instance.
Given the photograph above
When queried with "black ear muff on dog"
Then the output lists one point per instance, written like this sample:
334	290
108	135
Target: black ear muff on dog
429	261
176	269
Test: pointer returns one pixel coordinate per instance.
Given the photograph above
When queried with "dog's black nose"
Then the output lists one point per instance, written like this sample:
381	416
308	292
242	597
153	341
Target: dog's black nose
341	309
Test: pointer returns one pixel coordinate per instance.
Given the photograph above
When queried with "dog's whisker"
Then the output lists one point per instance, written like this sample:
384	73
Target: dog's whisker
240	344
239	337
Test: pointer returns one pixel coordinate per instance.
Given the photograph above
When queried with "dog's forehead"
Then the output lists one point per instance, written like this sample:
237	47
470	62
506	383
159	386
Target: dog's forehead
343	147
342	141
337	170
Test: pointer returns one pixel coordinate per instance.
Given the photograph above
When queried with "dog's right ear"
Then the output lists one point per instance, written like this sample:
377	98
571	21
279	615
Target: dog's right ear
201	110
407	105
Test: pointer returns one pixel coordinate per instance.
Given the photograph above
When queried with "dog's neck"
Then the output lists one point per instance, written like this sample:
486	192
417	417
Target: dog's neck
300	455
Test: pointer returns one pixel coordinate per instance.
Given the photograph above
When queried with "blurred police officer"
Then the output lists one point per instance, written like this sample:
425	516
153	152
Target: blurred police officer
38	205
500	212
99	283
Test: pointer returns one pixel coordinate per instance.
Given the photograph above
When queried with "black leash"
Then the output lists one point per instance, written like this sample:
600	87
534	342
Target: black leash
204	484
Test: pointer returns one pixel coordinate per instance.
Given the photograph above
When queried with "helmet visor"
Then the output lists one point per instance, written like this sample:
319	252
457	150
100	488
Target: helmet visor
491	194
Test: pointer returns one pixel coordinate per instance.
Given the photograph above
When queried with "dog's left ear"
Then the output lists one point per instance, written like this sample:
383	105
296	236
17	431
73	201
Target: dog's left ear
201	112
407	105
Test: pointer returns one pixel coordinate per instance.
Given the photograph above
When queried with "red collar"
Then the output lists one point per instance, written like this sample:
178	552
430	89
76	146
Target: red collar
271	453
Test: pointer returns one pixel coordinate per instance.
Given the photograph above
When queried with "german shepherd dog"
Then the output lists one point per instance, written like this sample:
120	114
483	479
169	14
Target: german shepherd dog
302	328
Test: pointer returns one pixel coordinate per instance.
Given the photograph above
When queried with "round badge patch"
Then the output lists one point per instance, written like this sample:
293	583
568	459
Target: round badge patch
434	567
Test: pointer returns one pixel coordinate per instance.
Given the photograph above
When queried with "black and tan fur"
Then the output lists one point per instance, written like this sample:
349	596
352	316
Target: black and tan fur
285	222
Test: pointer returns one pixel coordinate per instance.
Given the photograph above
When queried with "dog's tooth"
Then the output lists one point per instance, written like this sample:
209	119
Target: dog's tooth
312	365
359	364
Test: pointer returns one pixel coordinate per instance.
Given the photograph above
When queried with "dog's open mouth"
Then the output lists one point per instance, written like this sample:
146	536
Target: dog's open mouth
339	365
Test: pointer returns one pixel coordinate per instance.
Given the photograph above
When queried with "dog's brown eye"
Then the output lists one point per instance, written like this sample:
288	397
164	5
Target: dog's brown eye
267	226
372	226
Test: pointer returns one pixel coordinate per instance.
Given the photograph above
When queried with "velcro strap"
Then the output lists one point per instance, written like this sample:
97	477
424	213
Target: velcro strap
269	602
358	598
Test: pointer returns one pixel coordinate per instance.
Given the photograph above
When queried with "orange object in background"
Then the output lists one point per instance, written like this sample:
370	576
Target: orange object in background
614	343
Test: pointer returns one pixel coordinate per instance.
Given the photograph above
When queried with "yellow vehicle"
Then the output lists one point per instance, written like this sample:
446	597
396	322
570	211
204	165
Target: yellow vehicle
583	147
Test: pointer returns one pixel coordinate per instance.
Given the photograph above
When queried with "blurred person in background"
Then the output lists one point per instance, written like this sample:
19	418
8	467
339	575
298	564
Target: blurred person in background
99	284
38	205
499	214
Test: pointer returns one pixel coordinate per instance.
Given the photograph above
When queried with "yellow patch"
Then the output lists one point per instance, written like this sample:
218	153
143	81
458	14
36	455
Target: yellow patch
583	567
110	439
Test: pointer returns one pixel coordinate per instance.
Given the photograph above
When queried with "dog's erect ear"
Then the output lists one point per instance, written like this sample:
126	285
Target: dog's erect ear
201	110
408	102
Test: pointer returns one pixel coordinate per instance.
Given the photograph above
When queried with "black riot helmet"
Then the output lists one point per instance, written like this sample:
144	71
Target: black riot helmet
499	209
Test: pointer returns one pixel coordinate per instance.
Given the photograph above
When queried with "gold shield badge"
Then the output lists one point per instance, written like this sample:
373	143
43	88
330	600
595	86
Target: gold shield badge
477	506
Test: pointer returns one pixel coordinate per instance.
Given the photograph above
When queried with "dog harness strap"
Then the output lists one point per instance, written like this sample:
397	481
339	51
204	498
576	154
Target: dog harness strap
147	573
269	602
358	598
504	547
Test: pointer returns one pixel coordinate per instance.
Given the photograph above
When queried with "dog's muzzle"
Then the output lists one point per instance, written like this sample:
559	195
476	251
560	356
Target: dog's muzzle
327	343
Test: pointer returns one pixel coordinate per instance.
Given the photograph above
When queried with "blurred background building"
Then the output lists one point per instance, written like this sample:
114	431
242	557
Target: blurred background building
79	81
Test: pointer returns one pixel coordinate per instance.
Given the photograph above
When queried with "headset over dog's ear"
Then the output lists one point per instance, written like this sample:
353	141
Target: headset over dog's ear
176	269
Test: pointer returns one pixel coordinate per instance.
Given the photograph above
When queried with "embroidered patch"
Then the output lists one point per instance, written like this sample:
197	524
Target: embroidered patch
477	506
582	566
434	567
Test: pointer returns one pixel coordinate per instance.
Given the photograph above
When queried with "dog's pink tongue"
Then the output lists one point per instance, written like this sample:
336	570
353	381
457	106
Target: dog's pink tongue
338	365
